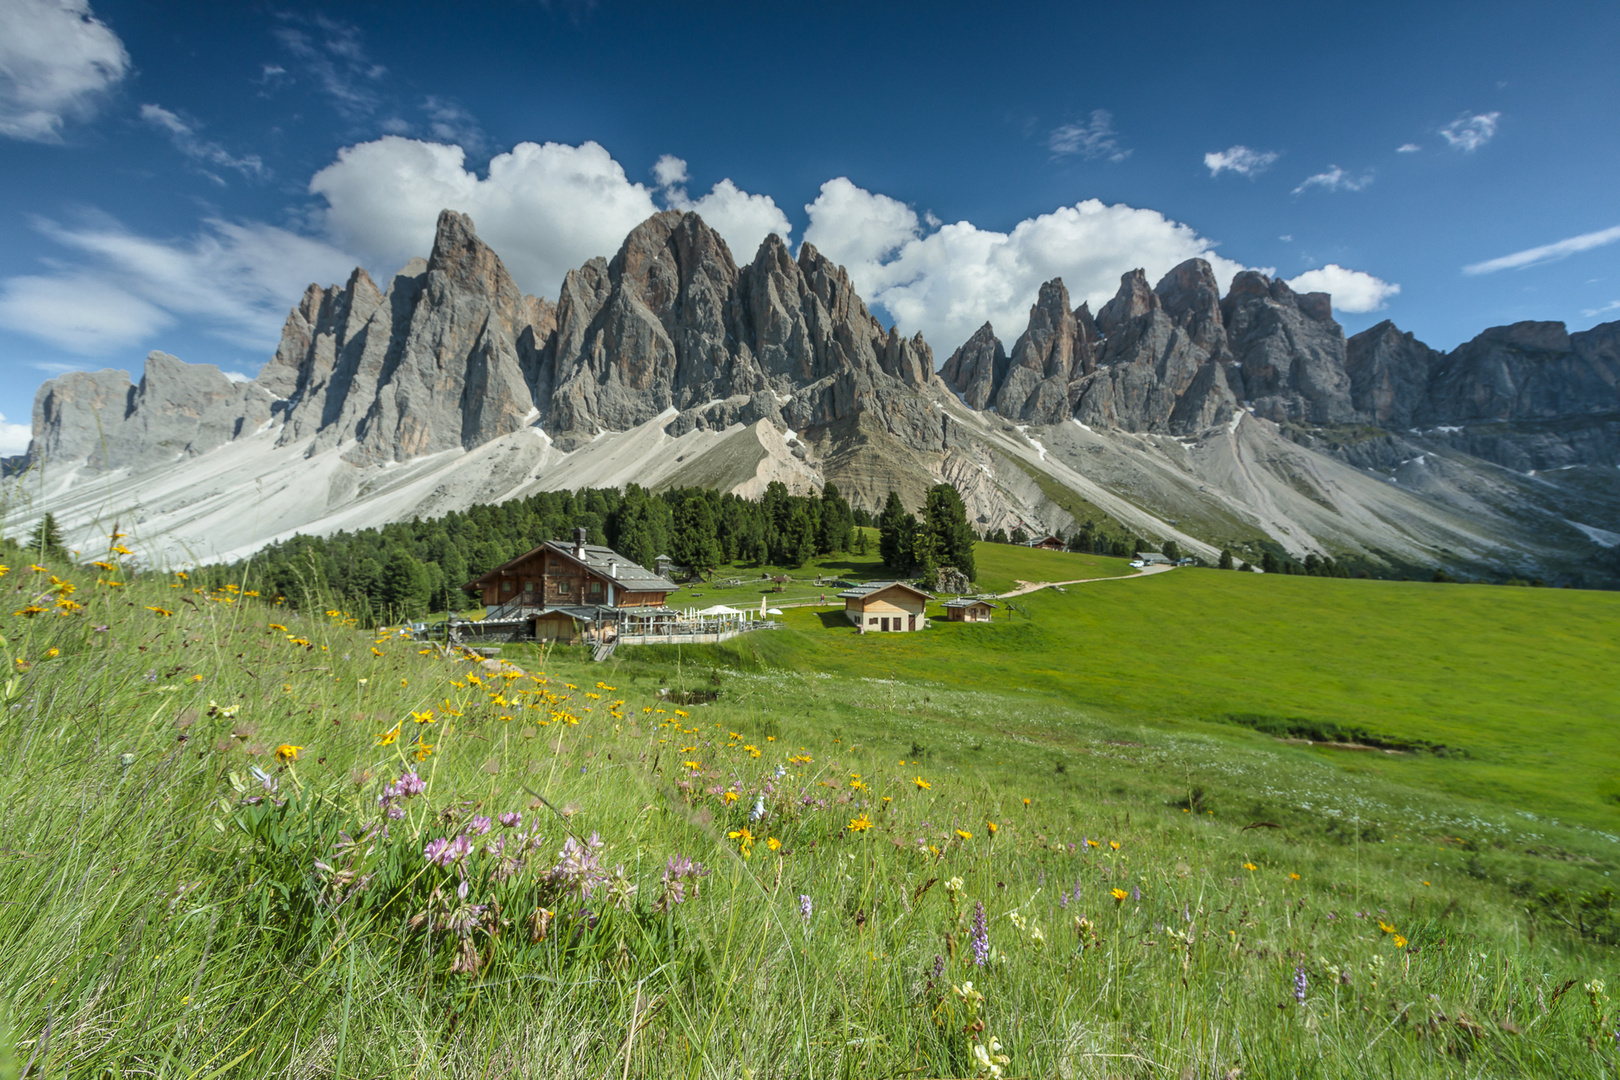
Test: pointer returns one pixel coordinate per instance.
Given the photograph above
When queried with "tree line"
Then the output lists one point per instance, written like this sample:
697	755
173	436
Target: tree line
406	569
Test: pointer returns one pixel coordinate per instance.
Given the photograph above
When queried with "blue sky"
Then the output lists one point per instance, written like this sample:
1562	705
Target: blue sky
174	175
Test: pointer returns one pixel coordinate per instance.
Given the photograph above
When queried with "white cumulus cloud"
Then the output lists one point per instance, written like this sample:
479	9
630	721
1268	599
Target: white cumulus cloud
14	438
947	282
1335	179
1241	160
545	209
1092	138
1562	249
741	219
1408	148
1352	290
57	61
1470	132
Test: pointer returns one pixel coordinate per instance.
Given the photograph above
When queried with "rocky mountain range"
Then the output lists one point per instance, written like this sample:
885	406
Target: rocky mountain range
1175	411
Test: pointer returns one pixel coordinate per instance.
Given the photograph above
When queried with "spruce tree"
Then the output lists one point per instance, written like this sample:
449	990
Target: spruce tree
46	538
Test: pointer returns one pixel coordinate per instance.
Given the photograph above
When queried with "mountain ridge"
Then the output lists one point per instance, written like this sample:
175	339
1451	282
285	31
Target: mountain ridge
672	344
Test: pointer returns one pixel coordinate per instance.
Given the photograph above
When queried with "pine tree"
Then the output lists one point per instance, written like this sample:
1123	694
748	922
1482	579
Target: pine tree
694	542
894	539
1226	559
46	538
946	534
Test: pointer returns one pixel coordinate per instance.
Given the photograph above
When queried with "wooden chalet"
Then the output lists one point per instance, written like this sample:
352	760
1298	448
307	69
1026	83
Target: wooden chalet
968	609
571	592
886	607
1047	543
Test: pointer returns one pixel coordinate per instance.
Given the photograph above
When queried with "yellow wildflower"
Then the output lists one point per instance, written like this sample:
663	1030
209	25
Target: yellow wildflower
922	785
730	797
964	834
1400	942
387	738
1119	895
773	843
1250	866
52	653
163	612
860	824
287	752
745	841
992	827
422	717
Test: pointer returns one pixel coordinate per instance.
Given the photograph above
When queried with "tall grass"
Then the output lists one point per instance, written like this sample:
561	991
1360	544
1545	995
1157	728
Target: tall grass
167	911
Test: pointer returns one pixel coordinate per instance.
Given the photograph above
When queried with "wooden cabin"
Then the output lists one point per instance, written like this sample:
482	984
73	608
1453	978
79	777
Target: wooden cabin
968	609
1047	543
569	591
885	607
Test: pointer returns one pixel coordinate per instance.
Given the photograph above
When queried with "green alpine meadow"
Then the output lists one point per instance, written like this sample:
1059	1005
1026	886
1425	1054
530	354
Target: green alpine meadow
1197	823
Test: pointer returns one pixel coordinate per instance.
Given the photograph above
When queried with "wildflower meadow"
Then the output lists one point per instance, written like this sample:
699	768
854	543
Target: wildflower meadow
246	840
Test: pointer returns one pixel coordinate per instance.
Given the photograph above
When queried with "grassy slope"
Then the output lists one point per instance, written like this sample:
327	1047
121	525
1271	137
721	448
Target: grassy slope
151	943
1521	680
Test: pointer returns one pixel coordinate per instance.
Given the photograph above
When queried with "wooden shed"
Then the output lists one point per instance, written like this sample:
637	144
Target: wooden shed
968	609
886	607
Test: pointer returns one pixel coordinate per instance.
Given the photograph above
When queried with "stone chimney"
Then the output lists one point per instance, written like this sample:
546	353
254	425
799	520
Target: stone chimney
579	542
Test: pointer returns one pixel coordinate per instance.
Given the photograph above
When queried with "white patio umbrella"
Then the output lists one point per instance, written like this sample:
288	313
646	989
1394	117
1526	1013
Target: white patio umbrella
762	607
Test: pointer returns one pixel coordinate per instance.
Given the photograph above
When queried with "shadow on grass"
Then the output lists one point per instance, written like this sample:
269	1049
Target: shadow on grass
833	620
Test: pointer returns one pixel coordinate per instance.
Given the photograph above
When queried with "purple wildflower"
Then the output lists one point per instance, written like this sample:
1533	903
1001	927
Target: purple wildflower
435	851
411	784
677	873
981	934
938	972
461	890
1063	900
511	820
579	866
1299	985
806	907
394	811
459	849
1136	894
479	825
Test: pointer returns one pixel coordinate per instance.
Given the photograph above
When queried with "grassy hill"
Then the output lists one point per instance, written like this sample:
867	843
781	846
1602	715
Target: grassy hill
240	842
1516	685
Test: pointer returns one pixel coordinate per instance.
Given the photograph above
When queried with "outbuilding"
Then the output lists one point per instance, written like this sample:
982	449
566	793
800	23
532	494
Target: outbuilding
885	607
968	609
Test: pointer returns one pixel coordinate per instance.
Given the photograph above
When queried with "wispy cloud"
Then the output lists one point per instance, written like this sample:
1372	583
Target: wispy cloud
1408	148
1563	249
1470	132
1241	160
118	287
1092	139
449	122
1592	313
185	138
1335	179
57	61
334	55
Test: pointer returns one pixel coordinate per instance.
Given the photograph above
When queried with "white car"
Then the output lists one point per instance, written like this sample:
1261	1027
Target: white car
1138	563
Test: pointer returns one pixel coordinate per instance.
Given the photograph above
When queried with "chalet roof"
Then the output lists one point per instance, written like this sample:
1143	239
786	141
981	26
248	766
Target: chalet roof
966	602
870	587
604	562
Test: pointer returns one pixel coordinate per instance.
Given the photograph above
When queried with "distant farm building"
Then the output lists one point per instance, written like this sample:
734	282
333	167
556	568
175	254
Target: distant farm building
885	606
968	609
1046	543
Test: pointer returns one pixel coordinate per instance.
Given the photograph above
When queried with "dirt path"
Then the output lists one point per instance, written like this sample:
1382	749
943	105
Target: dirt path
1034	586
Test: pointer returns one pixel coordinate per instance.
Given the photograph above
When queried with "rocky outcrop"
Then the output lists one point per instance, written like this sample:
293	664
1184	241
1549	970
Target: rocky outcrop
177	409
977	368
672	323
1290	351
1389	374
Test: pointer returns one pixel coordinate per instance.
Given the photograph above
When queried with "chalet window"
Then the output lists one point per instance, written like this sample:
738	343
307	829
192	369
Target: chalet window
562	588
596	586
506	586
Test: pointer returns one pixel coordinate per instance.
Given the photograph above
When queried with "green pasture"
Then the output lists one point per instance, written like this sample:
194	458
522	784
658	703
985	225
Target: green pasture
1520	686
1161	895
